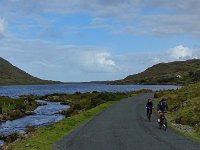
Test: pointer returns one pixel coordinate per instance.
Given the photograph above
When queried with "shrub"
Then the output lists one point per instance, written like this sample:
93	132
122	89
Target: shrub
12	137
77	93
15	114
30	129
187	117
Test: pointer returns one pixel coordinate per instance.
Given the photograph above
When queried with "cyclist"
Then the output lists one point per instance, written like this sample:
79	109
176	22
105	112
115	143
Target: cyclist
162	107
149	106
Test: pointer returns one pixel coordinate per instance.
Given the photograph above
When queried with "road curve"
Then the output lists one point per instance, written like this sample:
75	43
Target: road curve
124	126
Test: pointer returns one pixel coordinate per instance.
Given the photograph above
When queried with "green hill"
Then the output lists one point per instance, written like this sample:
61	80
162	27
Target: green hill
11	75
178	72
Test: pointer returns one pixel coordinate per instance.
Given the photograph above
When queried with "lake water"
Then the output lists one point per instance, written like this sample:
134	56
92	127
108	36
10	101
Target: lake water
72	88
45	115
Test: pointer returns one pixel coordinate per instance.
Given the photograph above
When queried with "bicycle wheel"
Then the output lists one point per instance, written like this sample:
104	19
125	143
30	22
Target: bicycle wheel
149	116
164	124
159	125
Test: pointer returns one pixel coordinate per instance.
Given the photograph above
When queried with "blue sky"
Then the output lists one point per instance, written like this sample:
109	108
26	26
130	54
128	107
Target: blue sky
76	40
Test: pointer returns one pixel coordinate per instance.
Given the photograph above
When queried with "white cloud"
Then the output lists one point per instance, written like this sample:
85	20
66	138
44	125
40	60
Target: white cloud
98	61
2	27
181	52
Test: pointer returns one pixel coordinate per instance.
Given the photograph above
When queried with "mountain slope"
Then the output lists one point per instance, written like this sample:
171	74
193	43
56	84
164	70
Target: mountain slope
178	72
11	75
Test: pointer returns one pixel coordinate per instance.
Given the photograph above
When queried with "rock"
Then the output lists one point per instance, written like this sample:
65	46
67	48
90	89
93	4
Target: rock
55	97
184	104
184	128
64	103
198	124
30	113
27	145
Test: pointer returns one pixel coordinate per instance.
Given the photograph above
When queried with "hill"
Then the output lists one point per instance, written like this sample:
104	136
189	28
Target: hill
11	75
178	72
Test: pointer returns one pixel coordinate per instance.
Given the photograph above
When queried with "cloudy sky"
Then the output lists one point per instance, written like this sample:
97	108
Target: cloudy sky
85	40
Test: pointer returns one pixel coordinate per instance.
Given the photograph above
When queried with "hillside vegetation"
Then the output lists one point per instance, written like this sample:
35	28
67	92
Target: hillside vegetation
184	105
178	72
11	75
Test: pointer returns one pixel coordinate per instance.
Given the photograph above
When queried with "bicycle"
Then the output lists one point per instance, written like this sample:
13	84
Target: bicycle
149	112
162	121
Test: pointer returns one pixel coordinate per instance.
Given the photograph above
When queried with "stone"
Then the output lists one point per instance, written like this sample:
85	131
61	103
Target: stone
27	145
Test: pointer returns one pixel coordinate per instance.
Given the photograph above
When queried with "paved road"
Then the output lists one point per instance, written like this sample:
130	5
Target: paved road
124	126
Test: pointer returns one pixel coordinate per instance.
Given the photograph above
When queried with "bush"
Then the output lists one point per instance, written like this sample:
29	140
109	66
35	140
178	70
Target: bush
187	117
30	129
96	101
77	93
11	138
15	114
77	106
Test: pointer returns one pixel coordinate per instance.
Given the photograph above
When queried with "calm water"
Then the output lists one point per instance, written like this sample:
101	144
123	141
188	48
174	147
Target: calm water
72	88
44	115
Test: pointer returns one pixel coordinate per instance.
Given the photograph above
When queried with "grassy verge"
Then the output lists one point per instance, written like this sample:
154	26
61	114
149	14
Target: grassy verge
184	110
171	123
44	138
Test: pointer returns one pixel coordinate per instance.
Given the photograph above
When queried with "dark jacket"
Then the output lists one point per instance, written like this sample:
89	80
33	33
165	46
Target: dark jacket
149	105
162	106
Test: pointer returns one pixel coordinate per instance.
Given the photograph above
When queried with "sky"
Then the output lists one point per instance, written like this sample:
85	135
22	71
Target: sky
94	40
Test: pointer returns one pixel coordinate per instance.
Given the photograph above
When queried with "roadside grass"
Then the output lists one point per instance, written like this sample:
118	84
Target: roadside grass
184	109
45	137
170	117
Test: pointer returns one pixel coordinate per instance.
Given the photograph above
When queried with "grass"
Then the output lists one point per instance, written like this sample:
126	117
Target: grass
15	108
8	104
184	108
171	117
44	138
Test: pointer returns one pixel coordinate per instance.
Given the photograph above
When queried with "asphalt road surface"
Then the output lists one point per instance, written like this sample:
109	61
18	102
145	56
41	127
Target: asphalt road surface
124	126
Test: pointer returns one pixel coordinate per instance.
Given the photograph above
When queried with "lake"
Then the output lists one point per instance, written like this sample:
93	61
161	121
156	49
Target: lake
40	90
